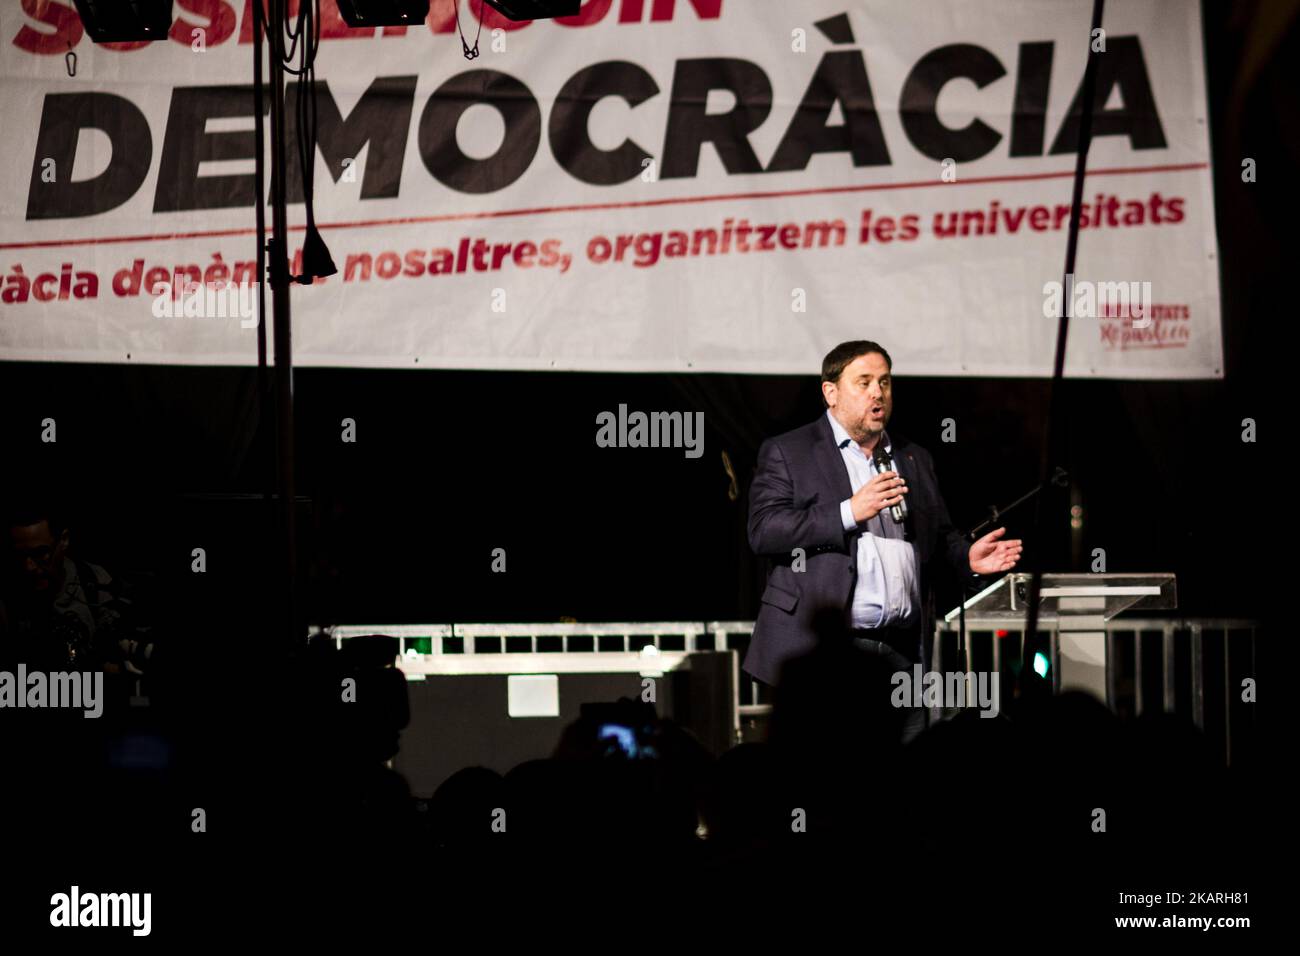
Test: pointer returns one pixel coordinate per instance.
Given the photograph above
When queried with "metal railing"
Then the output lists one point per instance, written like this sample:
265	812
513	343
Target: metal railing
1165	664
645	647
1189	666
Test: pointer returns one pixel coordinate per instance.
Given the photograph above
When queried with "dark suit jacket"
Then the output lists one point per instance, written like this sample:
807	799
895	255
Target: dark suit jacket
794	502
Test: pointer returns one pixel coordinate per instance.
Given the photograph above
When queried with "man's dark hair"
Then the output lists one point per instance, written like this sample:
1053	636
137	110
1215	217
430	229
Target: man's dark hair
24	514
838	358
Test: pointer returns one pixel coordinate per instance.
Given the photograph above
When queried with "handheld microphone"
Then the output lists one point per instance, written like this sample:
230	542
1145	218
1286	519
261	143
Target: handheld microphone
886	463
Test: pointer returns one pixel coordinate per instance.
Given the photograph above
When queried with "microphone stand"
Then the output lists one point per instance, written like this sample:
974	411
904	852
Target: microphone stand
1060	478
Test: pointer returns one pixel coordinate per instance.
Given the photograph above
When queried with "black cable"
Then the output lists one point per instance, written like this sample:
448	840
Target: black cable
299	39
1087	101
307	126
465	47
259	174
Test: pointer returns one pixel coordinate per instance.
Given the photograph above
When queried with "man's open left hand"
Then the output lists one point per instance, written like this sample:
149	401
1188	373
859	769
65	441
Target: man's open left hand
991	555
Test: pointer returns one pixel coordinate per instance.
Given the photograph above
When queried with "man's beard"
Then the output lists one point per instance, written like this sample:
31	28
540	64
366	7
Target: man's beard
865	431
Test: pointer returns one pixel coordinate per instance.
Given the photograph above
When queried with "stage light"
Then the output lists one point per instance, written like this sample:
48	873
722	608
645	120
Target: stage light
535	9
118	21
1041	664
383	13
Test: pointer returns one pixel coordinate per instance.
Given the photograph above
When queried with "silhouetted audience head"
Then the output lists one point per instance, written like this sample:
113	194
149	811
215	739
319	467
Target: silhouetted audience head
464	809
38	541
834	705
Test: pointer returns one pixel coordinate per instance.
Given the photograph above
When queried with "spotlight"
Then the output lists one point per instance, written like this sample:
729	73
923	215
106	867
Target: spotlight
535	9
117	21
383	13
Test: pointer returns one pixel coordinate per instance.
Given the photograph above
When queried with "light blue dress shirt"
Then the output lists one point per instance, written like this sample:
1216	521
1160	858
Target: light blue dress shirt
888	590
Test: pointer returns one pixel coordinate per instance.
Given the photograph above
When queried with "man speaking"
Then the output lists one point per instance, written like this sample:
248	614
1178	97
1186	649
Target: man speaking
854	523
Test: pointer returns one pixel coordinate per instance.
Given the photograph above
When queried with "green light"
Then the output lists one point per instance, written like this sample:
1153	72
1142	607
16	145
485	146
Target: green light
1041	664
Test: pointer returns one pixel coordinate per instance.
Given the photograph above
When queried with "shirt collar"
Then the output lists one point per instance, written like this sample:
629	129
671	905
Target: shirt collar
842	437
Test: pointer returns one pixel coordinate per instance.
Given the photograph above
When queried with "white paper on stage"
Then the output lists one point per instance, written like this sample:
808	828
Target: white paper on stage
533	695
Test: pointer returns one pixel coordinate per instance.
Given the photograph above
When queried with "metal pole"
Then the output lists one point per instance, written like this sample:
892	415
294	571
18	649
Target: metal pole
1139	693
279	266
1169	669
1198	679
1112	678
1227	695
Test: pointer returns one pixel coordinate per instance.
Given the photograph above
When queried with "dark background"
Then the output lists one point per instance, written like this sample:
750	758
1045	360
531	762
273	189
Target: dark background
154	461
448	465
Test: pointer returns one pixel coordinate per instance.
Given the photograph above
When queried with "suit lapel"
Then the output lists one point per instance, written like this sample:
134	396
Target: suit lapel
905	464
830	461
903	460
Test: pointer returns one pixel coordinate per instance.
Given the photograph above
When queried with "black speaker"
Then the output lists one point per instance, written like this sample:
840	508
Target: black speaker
535	9
383	13
116	21
459	721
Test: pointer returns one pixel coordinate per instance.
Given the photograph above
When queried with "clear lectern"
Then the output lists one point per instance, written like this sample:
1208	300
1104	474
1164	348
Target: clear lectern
1077	609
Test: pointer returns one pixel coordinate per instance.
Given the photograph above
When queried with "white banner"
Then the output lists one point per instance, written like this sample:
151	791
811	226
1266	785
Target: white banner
702	185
